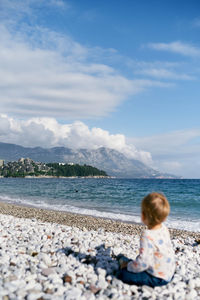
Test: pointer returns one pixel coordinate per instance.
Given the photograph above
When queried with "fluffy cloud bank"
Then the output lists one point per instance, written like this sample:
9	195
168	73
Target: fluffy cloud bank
47	132
47	73
46	82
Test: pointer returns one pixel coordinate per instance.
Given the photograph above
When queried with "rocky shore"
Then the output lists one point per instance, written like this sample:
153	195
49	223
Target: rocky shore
81	221
54	255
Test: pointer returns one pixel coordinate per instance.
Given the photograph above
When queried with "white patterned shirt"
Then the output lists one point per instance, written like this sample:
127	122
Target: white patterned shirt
156	254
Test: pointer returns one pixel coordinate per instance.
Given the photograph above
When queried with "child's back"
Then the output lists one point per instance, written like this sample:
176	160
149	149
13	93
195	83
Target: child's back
155	263
156	254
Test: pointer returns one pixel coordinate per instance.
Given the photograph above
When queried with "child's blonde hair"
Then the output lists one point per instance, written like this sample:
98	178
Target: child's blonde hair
155	208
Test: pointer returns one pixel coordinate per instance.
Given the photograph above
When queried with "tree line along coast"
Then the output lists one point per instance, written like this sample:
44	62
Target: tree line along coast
26	167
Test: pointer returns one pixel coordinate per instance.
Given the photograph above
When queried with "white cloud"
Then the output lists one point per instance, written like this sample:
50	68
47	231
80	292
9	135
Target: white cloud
76	135
164	143
166	71
46	74
171	166
58	3
176	152
20	8
165	74
177	47
37	81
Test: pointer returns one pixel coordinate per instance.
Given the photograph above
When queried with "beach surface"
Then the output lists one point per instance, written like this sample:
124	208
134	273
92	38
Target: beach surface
57	255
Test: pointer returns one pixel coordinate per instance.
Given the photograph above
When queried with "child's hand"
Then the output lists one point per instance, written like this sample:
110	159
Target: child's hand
123	261
123	264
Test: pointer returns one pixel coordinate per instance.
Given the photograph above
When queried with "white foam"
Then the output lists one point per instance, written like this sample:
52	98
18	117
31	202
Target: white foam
190	225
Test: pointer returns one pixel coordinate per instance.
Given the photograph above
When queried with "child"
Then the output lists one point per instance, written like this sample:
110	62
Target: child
155	265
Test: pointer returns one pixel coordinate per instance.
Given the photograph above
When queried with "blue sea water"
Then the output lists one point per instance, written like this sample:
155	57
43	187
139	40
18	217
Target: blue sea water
107	197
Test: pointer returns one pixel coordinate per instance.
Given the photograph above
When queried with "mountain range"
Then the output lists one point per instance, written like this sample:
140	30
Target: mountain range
113	162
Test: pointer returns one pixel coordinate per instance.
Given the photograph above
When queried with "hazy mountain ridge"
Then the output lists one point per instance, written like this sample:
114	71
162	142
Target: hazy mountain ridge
109	160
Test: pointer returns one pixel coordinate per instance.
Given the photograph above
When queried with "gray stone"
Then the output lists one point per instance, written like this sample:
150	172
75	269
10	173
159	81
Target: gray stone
48	271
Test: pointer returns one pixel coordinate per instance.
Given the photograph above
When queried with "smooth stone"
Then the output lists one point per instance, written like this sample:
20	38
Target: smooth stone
192	295
197	282
45	258
48	271
101	283
10	287
55	278
34	296
101	272
60	291
73	293
191	284
88	295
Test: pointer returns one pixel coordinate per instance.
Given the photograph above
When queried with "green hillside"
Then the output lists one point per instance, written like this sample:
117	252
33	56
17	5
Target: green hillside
27	167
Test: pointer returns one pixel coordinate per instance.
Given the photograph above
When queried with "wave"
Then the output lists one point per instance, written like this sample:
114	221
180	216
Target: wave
177	223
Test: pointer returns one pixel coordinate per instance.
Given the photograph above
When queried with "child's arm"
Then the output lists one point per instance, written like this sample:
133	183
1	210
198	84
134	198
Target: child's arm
141	262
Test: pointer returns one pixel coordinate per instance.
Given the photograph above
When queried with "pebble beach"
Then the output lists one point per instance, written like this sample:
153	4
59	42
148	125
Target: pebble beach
48	254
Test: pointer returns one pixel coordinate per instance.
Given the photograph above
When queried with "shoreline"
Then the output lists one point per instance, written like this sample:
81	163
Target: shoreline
82	221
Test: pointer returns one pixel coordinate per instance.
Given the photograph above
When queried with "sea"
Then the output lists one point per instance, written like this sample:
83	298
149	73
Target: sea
112	198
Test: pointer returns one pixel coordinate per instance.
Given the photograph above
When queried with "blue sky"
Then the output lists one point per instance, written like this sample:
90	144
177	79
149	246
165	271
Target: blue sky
119	74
